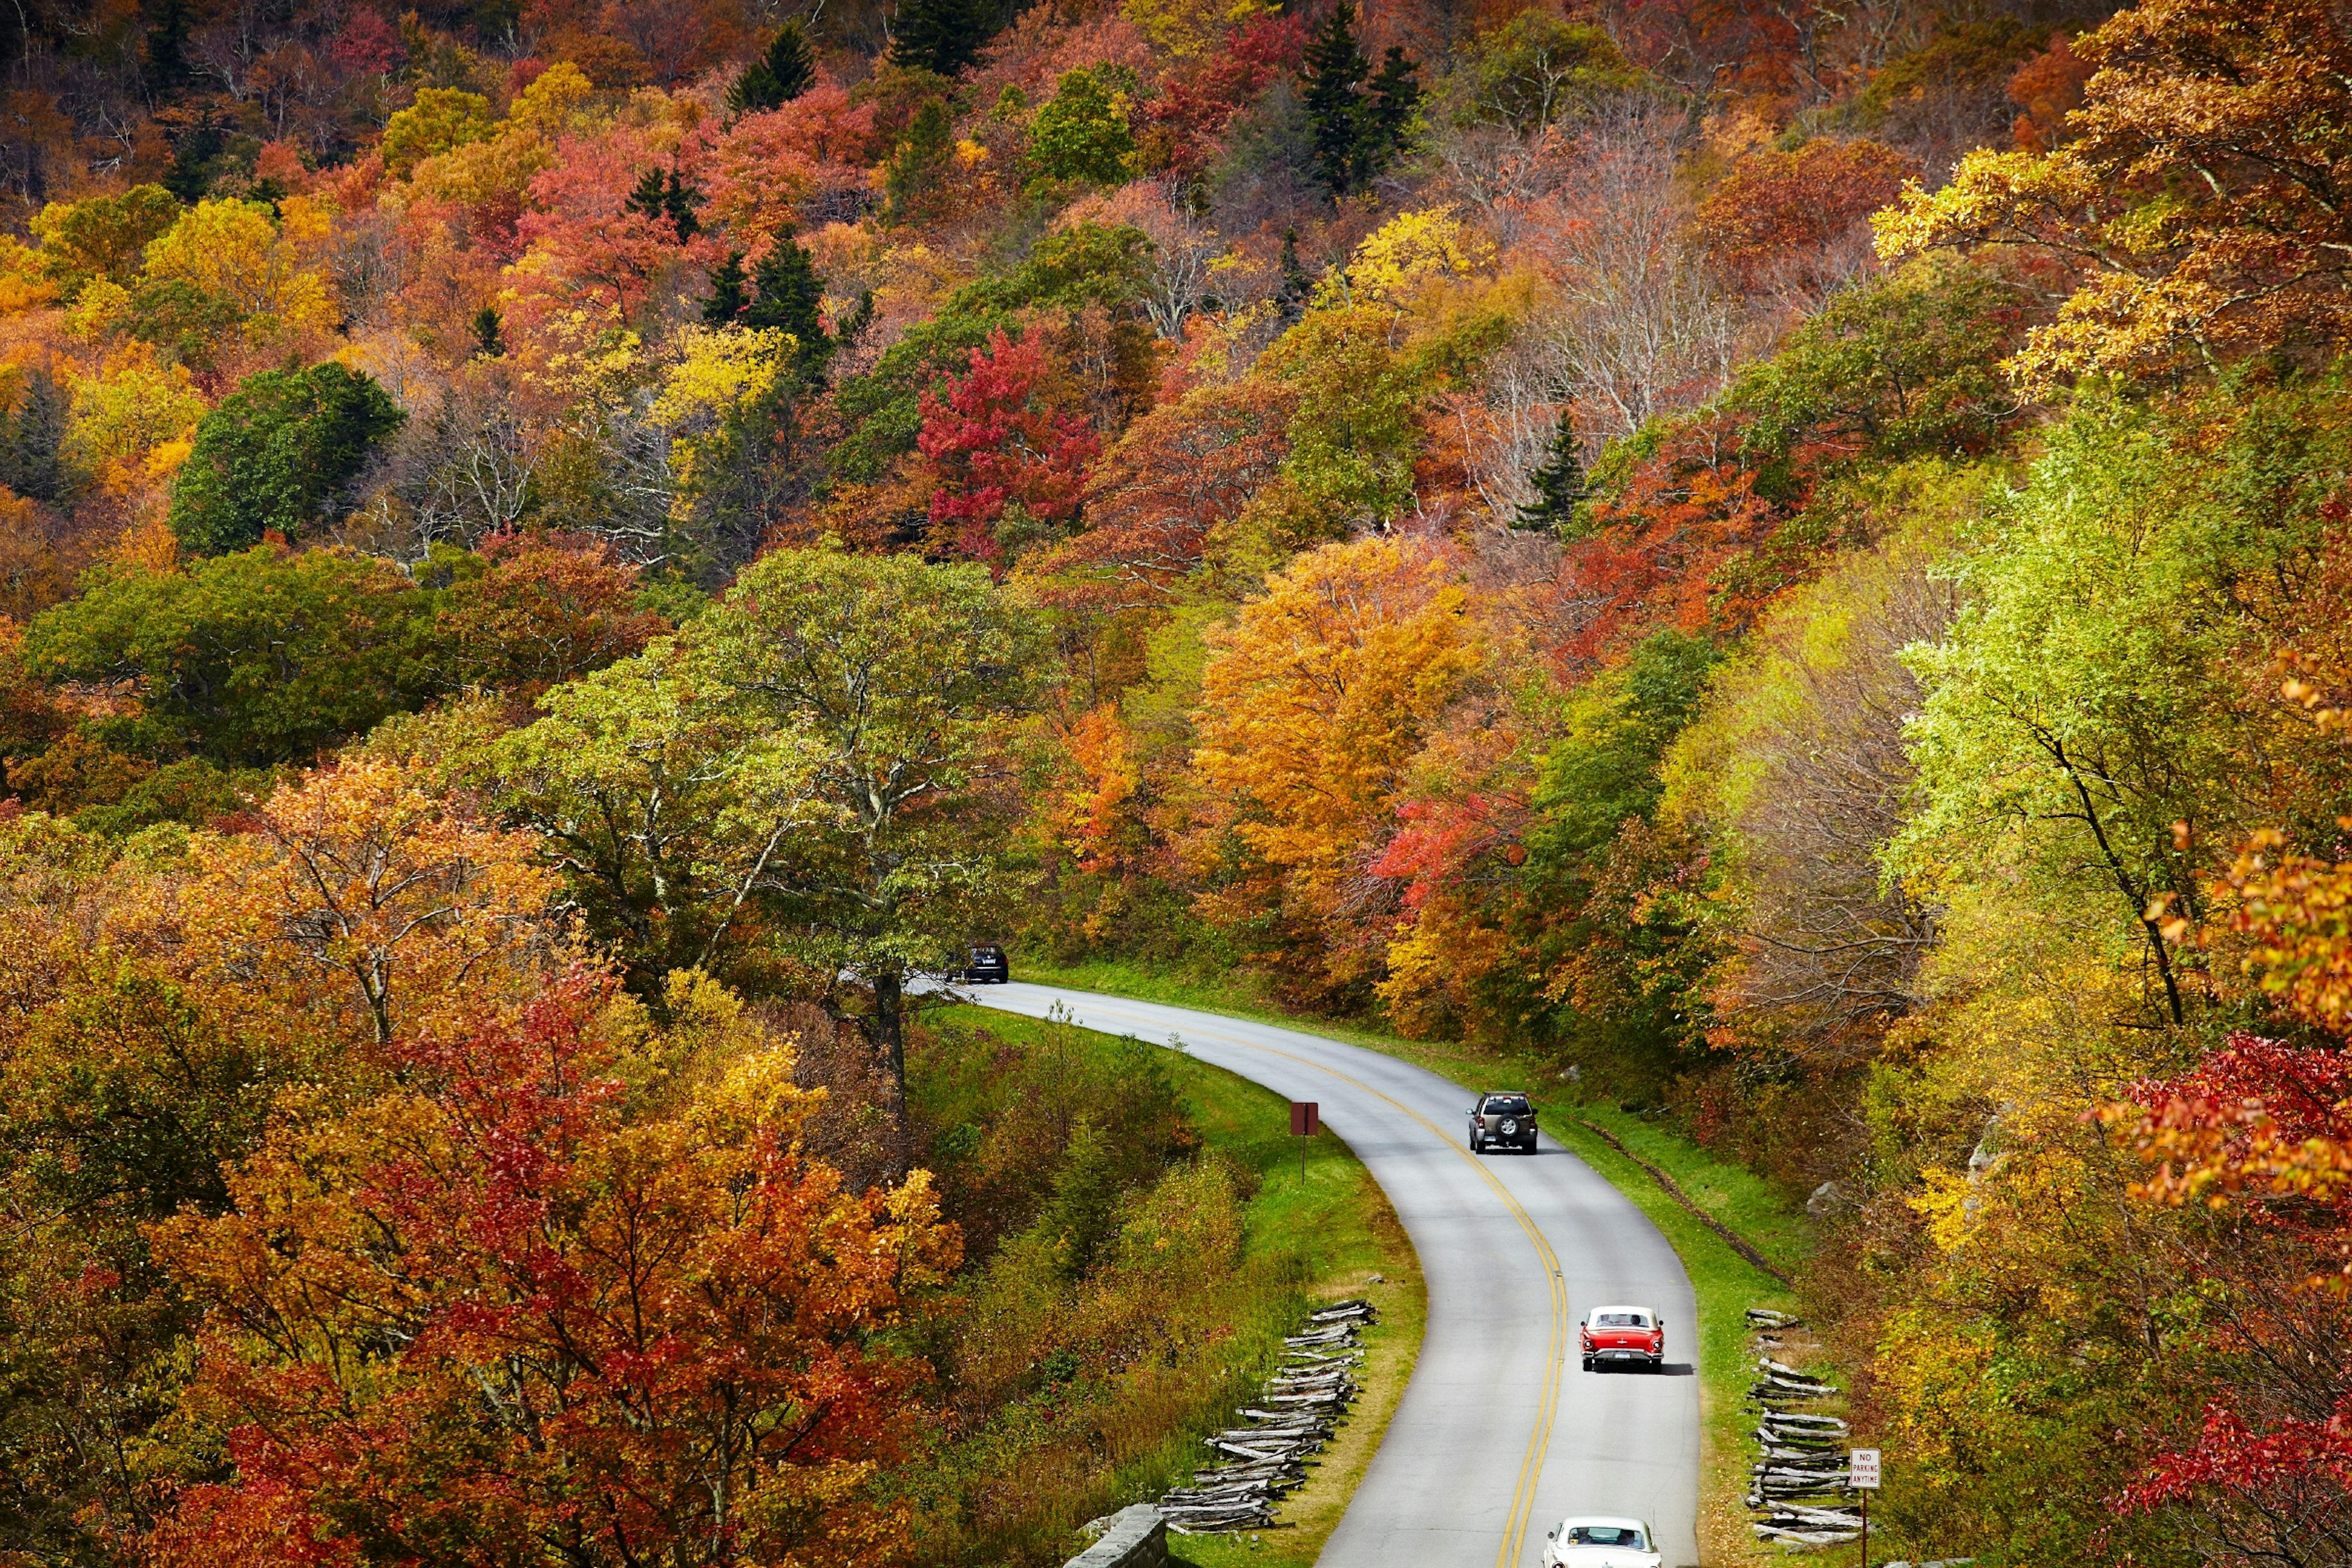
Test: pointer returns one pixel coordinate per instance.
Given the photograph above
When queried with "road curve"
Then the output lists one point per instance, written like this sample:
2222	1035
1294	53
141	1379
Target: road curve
1500	1435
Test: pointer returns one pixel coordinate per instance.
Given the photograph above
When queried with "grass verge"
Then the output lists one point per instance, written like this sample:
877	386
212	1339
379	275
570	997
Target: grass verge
1725	1283
1322	1222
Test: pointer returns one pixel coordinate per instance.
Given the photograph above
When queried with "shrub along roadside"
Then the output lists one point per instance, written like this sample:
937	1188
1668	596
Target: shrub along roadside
1725	1283
1080	1325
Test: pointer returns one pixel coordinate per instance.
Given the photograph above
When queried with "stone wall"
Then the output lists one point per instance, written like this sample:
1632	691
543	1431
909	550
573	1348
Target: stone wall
1138	1538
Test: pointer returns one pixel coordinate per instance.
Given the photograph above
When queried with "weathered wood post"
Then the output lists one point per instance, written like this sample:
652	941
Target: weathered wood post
1862	1474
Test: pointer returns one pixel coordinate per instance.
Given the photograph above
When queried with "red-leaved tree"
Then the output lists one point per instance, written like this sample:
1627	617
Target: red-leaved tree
2255	1147
2259	1138
1797	223
1191	114
546	1297
994	441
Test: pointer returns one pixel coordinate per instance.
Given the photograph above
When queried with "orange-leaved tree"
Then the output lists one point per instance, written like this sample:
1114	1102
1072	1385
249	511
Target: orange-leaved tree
566	1290
1794	223
356	894
159	1008
1314	702
540	612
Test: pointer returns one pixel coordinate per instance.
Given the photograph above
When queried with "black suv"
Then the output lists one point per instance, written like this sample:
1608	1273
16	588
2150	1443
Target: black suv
1502	1121
984	966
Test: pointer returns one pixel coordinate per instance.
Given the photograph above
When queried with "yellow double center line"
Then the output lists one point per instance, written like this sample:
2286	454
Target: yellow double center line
1523	1497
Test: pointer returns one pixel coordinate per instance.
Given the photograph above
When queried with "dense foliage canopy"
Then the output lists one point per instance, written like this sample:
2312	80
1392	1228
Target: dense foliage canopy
1781	564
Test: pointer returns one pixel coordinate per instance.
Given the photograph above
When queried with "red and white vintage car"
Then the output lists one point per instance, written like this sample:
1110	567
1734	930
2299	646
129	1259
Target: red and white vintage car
1601	1542
1621	1336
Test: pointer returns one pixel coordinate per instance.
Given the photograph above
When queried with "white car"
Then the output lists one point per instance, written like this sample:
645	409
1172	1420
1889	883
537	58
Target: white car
1600	1541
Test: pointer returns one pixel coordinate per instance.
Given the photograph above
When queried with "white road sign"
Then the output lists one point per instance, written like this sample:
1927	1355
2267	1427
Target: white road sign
1861	1468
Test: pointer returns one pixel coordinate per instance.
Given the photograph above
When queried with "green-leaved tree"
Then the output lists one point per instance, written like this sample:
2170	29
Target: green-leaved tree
248	659
903	680
277	455
666	801
784	72
1082	134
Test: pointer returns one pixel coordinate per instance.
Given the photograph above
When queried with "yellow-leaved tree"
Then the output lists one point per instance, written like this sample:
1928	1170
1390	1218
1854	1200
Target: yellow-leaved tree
1406	254
1314	702
121	410
2199	198
256	264
720	375
1190	29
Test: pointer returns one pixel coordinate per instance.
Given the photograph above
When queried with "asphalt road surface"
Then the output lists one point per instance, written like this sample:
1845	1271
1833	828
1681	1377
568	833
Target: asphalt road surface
1500	1434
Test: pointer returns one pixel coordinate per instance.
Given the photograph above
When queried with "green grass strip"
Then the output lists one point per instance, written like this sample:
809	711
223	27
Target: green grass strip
1323	1234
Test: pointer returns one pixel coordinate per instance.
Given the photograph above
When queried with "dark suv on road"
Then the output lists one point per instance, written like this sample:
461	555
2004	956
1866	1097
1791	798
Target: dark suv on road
984	966
1502	1121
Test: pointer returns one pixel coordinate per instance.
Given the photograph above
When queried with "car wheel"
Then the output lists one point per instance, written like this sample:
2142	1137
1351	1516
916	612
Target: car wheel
1588	1364
1477	1145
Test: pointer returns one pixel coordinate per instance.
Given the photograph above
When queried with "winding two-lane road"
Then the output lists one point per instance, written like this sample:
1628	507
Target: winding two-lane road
1500	1434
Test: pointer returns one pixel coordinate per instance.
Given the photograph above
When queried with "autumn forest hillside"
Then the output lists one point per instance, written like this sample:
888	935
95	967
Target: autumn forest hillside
1784	560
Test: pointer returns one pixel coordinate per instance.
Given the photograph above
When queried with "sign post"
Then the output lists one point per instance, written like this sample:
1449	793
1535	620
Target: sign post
1862	1475
1306	1120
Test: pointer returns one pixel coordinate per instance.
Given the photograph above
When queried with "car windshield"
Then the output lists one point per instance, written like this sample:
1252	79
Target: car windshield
1507	1105
1623	1535
1622	1320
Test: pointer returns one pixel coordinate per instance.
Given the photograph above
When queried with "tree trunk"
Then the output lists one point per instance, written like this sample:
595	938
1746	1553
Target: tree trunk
890	1031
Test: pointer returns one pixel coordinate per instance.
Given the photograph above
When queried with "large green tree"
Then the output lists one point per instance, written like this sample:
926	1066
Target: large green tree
2084	736
904	680
258	658
666	802
277	455
1082	132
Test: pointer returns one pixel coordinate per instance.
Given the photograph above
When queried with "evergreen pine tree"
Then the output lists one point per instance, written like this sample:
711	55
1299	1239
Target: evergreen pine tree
489	332
754	91
657	195
1333	73
942	36
649	194
1296	282
35	436
166	65
725	306
1558	480
681	201
787	70
792	295
1395	97
922	158
194	152
854	325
